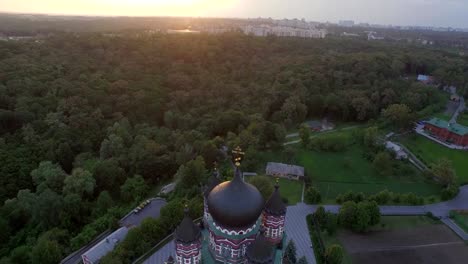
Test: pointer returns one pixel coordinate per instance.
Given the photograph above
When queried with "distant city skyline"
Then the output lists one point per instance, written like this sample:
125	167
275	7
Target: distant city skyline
434	13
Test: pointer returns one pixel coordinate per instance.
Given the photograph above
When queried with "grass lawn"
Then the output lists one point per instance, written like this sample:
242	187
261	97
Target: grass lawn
290	189
463	119
443	116
336	173
429	152
405	222
461	219
330	240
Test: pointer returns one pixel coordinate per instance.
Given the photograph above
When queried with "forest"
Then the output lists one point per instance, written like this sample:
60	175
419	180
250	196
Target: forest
91	123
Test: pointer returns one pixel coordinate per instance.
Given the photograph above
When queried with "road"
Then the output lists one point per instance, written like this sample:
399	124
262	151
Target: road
460	108
153	210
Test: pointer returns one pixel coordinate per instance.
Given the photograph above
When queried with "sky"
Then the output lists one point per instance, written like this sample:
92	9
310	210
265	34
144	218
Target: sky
444	13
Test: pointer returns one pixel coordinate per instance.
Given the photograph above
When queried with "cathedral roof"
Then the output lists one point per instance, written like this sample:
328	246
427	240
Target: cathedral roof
260	251
213	181
235	204
275	204
187	231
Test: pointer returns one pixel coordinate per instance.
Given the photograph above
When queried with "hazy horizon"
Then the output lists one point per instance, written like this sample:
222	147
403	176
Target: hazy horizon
448	13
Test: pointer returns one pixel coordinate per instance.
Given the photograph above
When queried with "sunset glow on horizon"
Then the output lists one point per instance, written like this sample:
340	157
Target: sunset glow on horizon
120	7
396	12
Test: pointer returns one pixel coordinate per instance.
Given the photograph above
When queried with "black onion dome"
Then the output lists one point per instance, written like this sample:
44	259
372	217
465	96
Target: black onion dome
260	251
275	205
187	231
235	204
213	181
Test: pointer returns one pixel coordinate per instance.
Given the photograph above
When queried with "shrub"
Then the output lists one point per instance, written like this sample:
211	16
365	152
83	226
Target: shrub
313	196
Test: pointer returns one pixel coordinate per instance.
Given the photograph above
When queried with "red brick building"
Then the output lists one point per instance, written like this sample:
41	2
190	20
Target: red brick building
450	133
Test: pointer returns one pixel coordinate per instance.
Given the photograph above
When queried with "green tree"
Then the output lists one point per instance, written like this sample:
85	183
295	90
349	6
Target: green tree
80	182
103	203
191	174
264	185
320	215
109	176
134	189
48	176
370	136
313	196
46	252
383	163
21	255
304	134
399	115
347	214
331	223
334	254
290	252
443	171
362	218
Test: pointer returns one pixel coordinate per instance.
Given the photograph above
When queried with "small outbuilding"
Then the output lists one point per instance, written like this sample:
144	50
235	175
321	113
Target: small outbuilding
399	151
284	170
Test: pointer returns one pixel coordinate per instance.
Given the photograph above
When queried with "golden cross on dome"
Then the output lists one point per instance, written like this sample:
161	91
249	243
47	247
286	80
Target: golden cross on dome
237	154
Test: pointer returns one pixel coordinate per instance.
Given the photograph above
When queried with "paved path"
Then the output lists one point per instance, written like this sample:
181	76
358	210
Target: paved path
460	108
297	230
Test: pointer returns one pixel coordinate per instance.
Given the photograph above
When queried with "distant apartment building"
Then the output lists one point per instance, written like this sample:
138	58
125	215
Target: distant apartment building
281	31
346	23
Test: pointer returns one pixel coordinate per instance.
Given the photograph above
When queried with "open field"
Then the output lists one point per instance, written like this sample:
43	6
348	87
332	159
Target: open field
336	173
463	119
290	189
443	116
461	219
429	152
405	240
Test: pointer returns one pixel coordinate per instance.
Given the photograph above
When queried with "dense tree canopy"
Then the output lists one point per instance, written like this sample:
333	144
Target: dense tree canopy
90	122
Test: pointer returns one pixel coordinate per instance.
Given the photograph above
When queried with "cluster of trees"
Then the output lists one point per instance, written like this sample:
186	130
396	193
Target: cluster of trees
382	197
89	123
290	255
319	221
359	217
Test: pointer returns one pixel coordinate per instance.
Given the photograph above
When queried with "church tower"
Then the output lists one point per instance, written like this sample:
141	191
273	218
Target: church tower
274	217
188	241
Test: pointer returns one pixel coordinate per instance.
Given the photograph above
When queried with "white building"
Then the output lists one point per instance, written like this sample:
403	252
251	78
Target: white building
282	31
399	152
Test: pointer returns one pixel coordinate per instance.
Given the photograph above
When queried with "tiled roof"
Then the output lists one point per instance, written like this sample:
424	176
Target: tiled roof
454	128
274	168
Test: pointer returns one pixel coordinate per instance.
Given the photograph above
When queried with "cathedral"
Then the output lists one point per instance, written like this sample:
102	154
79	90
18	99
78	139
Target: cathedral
239	227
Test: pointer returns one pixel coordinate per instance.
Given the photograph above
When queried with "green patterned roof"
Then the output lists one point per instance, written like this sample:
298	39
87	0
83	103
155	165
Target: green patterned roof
454	128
